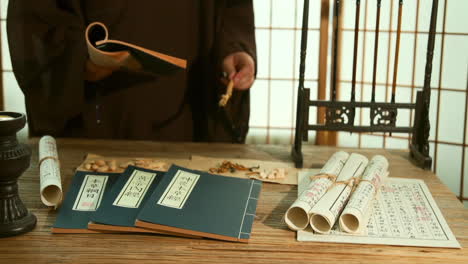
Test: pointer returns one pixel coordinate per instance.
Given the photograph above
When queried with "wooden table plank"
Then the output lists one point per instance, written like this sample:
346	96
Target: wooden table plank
271	241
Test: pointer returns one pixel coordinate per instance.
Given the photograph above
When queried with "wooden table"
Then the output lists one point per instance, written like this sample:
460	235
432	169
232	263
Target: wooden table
271	241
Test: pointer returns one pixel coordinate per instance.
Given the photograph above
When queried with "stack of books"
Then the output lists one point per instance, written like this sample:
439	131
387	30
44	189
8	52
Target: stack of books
180	202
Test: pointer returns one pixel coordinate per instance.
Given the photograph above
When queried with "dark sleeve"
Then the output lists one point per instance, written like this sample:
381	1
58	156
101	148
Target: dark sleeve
237	29
48	55
236	33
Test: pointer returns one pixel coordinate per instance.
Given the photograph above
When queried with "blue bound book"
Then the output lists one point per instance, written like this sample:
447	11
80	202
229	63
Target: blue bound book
202	204
84	196
120	205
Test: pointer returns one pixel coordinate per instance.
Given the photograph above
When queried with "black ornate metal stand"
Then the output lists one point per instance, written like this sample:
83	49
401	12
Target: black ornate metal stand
340	115
14	160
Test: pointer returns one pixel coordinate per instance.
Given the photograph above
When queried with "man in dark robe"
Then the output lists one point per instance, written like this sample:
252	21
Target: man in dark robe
68	96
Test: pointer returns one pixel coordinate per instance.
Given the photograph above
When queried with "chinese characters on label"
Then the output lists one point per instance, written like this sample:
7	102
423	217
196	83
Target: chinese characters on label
90	194
178	191
135	189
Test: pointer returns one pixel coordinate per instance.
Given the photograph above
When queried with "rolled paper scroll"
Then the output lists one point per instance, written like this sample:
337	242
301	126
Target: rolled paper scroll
356	214
49	170
325	213
297	216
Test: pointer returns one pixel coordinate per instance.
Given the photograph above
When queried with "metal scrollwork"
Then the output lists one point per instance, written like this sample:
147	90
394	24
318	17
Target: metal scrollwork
381	116
340	115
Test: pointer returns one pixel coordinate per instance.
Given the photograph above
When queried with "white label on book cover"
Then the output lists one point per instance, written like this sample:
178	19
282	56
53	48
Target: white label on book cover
90	195
135	189
179	190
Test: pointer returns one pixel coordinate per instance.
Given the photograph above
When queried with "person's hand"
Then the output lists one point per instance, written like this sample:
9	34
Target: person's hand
95	72
239	67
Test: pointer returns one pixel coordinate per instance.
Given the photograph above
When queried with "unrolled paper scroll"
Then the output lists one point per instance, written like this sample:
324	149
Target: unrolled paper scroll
325	213
297	216
49	170
356	214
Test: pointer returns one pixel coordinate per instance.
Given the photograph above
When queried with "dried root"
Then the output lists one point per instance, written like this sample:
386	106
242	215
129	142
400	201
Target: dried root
225	97
227	166
111	165
101	166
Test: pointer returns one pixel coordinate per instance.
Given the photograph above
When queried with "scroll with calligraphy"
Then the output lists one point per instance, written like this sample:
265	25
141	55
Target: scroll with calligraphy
404	214
49	171
298	215
325	213
357	211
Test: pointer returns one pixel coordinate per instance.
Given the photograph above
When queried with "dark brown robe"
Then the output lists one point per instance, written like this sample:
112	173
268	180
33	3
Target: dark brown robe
48	53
